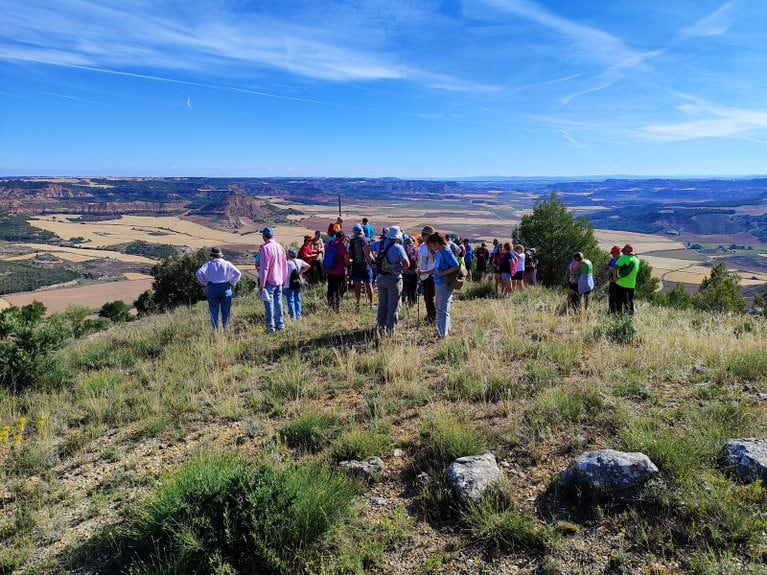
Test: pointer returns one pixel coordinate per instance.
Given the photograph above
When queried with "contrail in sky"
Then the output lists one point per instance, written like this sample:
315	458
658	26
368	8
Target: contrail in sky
189	103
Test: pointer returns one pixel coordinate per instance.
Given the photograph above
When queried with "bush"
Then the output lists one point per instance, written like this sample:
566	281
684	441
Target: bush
222	514
115	311
174	282
720	292
359	444
445	438
311	431
677	297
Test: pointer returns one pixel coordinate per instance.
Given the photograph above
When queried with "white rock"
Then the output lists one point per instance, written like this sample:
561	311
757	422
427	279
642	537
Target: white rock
608	472
748	458
472	475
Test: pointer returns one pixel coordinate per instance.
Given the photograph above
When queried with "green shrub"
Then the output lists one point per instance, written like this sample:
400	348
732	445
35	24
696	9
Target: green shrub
748	366
720	292
359	444
564	406
222	514
115	311
477	290
311	431
620	330
497	521
445	438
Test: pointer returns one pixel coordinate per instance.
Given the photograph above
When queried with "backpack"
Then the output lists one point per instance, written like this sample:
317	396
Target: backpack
330	260
294	281
383	266
359	260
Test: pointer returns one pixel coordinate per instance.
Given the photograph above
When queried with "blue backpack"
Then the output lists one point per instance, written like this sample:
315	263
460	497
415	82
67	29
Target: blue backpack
330	261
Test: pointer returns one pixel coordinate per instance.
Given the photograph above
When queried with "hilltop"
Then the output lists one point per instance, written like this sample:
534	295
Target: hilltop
515	378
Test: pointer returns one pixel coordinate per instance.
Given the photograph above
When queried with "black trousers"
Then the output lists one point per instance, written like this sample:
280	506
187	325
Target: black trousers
612	298
428	298
336	288
409	288
625	299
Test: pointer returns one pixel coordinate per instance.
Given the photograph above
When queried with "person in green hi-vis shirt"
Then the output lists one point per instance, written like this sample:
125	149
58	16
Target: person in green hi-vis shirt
626	280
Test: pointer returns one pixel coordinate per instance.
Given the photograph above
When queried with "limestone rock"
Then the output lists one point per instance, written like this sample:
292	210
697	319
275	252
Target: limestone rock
748	458
608	472
472	475
369	469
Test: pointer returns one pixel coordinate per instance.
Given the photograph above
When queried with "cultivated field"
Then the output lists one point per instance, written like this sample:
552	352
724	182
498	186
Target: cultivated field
91	296
76	254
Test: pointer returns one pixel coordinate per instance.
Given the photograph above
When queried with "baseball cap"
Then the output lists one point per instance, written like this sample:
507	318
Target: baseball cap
267	232
628	249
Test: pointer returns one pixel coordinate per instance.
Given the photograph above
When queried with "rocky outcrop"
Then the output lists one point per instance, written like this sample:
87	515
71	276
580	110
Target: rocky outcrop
607	473
472	475
370	469
747	458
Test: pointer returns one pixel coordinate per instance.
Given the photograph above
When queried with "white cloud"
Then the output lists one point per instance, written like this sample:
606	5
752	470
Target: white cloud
715	24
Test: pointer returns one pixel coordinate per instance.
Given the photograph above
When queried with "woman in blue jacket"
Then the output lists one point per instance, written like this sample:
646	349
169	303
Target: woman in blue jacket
445	263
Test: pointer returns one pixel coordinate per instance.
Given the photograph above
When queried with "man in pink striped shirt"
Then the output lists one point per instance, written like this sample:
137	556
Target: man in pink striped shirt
273	274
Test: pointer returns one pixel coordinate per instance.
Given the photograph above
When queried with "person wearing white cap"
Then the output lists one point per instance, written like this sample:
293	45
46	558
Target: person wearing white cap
218	276
390	258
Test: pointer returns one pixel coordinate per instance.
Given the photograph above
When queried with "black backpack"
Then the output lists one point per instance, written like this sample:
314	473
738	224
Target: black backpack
383	266
294	281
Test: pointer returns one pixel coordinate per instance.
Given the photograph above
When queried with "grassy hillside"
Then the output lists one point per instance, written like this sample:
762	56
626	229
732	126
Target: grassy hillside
92	471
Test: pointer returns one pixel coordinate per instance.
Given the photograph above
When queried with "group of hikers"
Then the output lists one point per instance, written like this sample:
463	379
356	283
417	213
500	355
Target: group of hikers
400	267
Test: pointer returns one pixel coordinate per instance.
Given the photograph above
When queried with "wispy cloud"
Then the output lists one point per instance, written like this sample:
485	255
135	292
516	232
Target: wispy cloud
707	121
66	97
715	24
189	103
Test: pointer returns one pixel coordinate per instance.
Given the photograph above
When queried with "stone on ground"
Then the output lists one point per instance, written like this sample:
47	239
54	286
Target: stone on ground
607	472
748	458
370	469
472	475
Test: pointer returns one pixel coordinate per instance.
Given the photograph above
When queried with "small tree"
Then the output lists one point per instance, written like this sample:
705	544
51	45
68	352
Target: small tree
557	234
720	292
647	284
760	301
677	297
115	311
145	303
174	281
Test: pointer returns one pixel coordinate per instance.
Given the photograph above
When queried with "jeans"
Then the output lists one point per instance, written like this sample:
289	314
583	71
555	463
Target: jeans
444	301
273	309
428	298
293	297
219	298
389	292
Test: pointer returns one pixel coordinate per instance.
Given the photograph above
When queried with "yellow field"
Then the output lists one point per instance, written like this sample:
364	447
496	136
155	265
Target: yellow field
4	304
90	296
642	242
81	254
135	276
164	230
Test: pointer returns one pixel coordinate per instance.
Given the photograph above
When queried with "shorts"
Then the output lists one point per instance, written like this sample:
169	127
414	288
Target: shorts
518	276
365	275
506	277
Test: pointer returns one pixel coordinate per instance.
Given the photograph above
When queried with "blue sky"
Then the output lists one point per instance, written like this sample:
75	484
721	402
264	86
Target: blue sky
405	88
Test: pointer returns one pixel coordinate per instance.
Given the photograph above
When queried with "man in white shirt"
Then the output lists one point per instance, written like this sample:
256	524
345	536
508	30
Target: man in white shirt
219	277
426	274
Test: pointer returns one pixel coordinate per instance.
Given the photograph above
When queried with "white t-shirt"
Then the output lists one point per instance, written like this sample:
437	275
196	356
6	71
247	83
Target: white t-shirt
298	264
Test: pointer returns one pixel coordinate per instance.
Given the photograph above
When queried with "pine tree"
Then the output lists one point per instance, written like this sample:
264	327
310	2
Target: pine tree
720	292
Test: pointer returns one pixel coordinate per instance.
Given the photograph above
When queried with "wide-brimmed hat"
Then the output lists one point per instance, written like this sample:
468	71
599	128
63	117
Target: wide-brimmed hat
216	253
628	249
267	232
308	238
394	233
427	231
357	229
615	250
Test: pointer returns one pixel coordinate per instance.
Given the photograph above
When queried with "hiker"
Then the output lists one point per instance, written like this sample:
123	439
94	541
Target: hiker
519	275
573	298
426	274
218	276
319	256
585	279
336	227
496	255
626	282
410	274
468	257
612	269
306	254
445	263
506	265
334	263
361	274
296	270
370	231
390	258
482	256
272	275
531	267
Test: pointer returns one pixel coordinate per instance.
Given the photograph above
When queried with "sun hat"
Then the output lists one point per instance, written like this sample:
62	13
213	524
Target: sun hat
394	233
427	231
628	249
267	232
216	253
308	238
615	250
292	252
357	229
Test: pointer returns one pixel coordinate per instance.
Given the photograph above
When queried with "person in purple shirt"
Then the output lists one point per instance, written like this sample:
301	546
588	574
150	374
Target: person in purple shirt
218	276
272	275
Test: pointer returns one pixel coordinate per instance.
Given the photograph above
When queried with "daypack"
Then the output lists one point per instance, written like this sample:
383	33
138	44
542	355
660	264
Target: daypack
359	260
330	261
294	281
383	266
